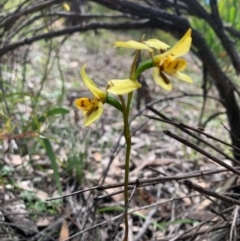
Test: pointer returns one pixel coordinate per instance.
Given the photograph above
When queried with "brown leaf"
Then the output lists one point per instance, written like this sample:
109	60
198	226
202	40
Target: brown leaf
64	234
97	156
14	160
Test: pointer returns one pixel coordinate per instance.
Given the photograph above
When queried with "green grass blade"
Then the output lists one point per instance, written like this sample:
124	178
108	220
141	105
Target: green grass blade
51	155
57	111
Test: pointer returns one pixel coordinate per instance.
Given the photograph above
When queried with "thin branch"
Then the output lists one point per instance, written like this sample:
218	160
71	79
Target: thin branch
233	31
233	226
165	119
144	182
90	16
13	17
203	152
146	224
181	125
215	22
71	30
196	187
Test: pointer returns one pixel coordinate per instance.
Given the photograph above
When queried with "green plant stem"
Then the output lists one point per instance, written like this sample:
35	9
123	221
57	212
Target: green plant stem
142	67
113	102
128	139
127	134
127	161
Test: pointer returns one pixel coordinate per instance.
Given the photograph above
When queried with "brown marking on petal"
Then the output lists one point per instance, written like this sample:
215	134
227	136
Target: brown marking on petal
108	86
172	54
90	101
162	51
161	68
91	110
165	78
82	104
176	65
111	83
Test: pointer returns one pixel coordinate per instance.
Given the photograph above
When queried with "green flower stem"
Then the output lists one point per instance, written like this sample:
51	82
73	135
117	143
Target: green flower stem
128	139
127	134
114	103
126	179
142	67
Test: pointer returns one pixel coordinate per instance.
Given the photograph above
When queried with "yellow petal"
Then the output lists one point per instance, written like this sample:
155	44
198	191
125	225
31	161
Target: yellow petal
132	44
66	6
85	103
155	43
92	109
93	114
183	45
91	85
161	79
183	77
181	48
171	67
121	87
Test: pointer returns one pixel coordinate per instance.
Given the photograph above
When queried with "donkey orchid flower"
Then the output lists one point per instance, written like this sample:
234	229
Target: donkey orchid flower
167	62
93	108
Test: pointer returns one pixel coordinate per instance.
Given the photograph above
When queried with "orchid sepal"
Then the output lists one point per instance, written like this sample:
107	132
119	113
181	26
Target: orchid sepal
147	64
113	102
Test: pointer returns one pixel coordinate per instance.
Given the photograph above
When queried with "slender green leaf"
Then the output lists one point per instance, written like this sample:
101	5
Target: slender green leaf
110	209
232	14
57	111
51	155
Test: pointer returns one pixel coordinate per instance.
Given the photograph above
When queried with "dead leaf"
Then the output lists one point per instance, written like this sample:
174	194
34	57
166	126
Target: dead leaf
64	233
97	156
117	197
14	160
200	215
74	64
43	222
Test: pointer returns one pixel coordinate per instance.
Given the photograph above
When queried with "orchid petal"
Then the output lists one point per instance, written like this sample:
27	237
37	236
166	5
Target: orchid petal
161	79
92	109
91	85
157	44
132	44
181	48
93	114
171	67
85	104
120	87
182	77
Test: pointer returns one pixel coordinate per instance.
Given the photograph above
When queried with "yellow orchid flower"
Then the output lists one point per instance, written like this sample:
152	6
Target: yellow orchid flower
66	6
167	62
93	108
132	44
